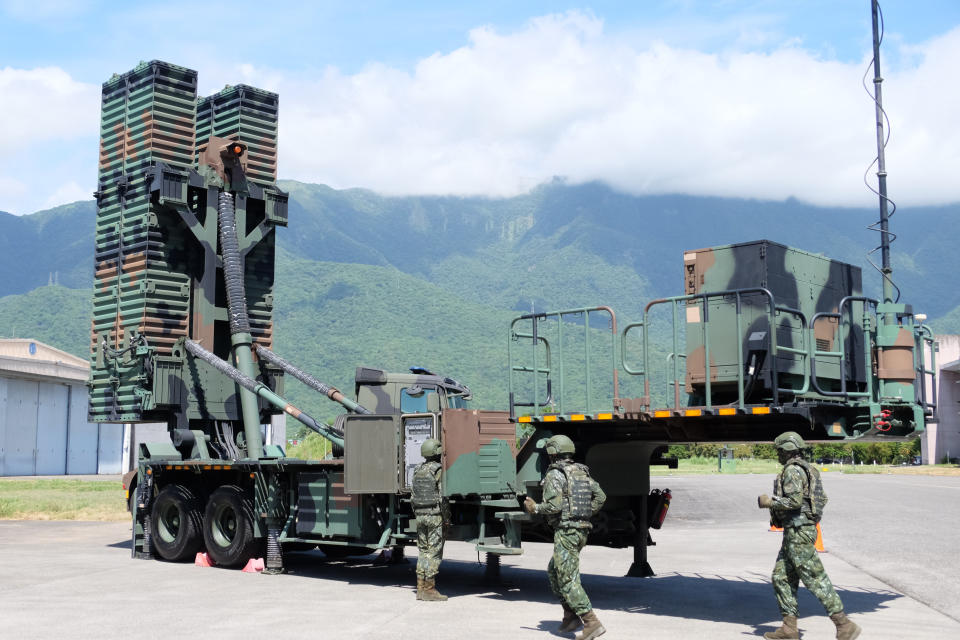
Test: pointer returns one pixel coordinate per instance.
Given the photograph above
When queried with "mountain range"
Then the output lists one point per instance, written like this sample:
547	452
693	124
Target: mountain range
433	281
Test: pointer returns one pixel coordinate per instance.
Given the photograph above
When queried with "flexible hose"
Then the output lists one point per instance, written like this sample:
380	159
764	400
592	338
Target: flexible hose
232	265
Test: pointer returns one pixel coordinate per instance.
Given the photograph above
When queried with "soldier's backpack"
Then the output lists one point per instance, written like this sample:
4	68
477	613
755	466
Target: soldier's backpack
578	494
815	496
424	490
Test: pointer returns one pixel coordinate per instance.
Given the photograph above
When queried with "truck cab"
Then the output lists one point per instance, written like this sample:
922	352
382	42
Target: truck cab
420	391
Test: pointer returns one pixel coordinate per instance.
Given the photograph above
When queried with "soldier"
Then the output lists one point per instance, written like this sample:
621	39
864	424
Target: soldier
431	512
570	498
796	506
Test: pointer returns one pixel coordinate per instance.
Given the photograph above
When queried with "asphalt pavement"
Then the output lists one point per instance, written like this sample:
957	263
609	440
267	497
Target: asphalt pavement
890	551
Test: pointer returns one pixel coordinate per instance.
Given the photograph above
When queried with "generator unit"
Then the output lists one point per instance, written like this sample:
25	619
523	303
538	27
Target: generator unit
755	303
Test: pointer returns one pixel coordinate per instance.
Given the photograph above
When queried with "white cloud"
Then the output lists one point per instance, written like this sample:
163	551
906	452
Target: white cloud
48	138
45	104
561	97
67	192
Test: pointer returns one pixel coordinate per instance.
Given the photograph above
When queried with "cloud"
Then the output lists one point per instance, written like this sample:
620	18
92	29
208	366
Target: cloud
45	104
48	138
562	97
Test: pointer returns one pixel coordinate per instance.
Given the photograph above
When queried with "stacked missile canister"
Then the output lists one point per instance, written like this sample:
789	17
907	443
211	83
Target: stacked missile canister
158	277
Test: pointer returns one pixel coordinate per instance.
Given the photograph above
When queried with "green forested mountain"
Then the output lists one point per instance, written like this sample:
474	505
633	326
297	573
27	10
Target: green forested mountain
433	281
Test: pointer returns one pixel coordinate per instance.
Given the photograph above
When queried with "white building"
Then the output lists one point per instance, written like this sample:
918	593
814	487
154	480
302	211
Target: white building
942	439
43	418
43	415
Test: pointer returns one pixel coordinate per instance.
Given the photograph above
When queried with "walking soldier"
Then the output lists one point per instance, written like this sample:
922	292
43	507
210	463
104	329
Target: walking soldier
570	498
796	506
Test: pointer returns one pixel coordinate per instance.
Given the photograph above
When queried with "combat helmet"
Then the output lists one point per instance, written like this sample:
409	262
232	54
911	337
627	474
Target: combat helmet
789	441
431	447
560	444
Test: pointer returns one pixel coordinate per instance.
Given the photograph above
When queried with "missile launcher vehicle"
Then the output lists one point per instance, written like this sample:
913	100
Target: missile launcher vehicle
764	338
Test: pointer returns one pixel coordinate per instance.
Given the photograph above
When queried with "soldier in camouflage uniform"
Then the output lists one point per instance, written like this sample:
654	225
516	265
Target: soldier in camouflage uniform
796	506
431	512
570	498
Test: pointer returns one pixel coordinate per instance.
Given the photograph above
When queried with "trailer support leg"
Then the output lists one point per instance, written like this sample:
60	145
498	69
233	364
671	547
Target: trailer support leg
146	552
640	567
274	561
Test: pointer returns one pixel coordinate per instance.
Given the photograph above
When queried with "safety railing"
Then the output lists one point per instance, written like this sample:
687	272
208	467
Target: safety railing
924	338
554	352
841	331
702	300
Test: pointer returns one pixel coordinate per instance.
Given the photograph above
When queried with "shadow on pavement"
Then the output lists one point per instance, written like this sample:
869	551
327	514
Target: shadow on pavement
712	597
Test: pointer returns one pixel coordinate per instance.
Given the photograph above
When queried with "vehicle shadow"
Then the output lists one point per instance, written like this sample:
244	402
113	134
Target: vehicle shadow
736	599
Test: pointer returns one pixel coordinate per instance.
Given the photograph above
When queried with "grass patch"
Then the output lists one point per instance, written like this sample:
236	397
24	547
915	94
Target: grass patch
707	466
61	499
910	470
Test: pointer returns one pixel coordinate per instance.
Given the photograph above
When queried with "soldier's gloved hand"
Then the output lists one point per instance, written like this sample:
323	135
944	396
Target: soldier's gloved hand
764	501
529	505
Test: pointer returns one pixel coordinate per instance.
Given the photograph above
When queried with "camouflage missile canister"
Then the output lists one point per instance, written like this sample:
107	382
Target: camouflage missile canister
157	278
141	284
246	114
801	285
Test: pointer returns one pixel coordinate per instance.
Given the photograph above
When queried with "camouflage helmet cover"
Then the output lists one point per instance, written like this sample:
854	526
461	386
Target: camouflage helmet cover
789	441
431	447
560	444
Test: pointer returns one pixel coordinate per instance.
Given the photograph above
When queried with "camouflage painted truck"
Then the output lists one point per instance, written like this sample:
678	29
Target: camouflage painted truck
765	338
182	333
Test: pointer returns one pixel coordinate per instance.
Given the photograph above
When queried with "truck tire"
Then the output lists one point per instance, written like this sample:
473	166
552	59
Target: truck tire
228	527
177	523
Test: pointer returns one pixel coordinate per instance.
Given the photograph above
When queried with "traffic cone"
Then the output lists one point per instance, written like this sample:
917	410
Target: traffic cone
254	565
775	528
818	545
203	560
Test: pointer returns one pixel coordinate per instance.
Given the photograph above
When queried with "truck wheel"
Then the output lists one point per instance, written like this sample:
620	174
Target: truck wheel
176	523
228	527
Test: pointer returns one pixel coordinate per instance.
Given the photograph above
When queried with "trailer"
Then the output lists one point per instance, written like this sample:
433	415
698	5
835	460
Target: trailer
764	338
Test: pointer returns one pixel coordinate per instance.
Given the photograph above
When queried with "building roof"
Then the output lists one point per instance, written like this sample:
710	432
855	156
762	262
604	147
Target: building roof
25	358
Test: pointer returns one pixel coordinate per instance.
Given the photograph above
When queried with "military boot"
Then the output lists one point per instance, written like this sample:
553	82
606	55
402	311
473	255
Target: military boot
591	627
419	588
571	621
847	629
429	591
788	631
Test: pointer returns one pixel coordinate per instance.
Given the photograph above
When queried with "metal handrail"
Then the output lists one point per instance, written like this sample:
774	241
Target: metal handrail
842	354
535	369
669	359
775	350
925	334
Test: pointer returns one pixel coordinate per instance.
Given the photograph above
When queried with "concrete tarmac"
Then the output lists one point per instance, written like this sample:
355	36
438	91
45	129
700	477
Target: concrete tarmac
897	576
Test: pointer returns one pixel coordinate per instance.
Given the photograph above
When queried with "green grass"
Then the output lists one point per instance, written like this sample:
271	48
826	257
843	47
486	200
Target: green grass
312	447
61	499
707	466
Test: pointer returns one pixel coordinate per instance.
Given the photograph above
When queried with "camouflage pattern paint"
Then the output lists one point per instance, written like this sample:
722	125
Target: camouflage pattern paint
156	276
799	280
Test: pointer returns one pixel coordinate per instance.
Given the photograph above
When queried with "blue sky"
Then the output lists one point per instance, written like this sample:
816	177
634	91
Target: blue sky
743	98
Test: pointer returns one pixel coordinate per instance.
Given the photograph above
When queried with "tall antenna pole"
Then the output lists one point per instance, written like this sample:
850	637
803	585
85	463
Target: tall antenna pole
885	269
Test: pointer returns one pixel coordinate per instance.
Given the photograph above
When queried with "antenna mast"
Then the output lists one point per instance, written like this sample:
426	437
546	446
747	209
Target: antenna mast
885	269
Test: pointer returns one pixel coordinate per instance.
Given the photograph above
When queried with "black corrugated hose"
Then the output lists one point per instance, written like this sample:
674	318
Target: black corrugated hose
232	265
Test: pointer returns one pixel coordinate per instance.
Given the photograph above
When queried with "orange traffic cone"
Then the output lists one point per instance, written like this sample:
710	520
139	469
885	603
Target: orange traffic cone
818	545
775	528
203	560
254	565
